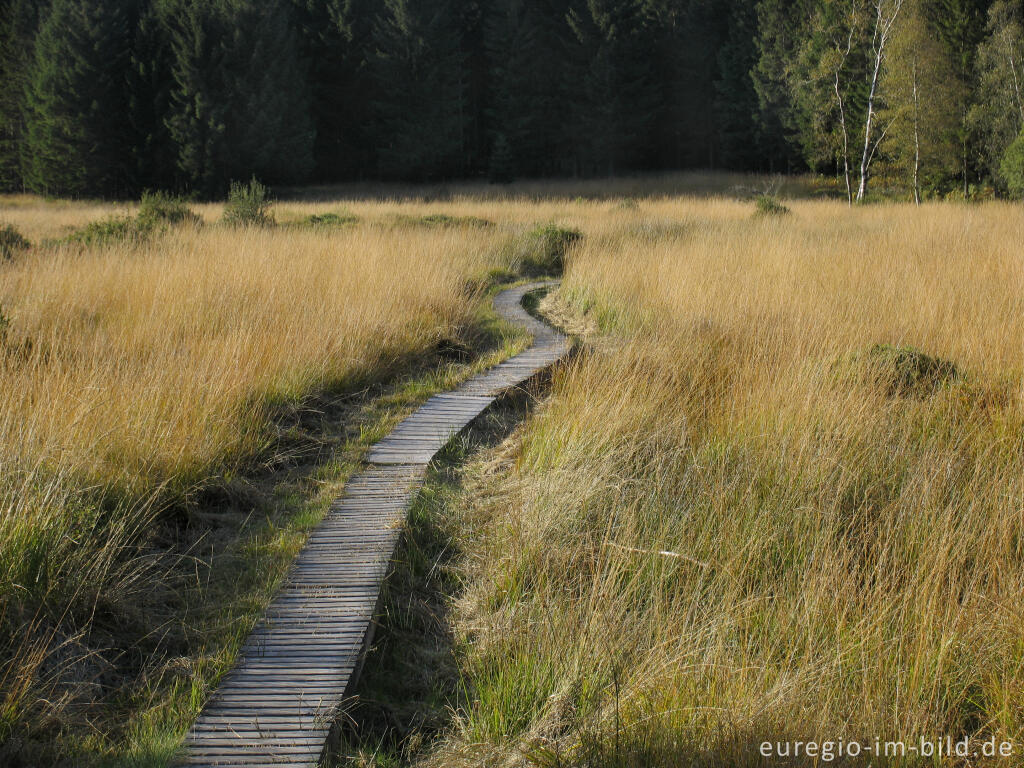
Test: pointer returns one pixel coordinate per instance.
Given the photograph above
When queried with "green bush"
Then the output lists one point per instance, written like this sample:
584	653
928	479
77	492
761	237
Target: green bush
542	251
248	205
766	205
111	229
328	220
159	208
1012	167
157	211
444	220
12	242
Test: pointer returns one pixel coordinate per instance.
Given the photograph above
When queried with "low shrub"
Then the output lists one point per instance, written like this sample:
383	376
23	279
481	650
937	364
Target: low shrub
12	242
248	205
157	211
158	208
328	220
767	205
108	230
542	251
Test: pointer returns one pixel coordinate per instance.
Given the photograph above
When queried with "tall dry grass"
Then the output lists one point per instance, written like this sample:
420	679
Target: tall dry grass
731	524
137	375
738	520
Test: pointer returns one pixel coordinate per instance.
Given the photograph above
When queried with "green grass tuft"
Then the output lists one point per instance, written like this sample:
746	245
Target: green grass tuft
12	243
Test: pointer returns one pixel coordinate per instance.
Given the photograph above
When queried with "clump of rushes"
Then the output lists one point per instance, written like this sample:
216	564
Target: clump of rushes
907	371
248	205
12	242
445	220
542	251
329	220
768	205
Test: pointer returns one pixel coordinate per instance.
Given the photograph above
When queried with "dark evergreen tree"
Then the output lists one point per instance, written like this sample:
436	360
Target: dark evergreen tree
150	81
782	26
960	25
77	138
240	104
334	39
736	104
421	106
19	20
616	107
526	44
703	34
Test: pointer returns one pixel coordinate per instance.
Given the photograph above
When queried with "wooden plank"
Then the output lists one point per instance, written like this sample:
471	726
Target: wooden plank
276	707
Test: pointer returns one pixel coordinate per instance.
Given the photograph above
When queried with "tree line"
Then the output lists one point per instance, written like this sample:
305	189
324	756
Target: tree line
109	97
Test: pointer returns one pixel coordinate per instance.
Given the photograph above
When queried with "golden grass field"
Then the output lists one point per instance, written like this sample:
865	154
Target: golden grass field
728	526
735	520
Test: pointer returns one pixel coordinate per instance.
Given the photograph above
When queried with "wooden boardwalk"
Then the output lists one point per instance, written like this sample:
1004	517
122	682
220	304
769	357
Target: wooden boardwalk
276	707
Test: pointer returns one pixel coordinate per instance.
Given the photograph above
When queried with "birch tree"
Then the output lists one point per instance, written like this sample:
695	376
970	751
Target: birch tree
923	119
886	13
998	115
826	86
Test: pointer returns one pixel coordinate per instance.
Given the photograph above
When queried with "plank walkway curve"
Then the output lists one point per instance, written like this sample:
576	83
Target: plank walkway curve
277	706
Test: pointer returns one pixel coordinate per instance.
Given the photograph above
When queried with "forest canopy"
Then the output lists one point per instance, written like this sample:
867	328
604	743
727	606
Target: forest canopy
107	98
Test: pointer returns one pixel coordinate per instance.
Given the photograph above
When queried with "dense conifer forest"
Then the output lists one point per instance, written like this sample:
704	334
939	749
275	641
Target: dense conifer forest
107	98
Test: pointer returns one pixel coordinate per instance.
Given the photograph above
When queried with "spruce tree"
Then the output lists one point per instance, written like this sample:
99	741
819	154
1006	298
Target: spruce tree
333	38
782	28
150	81
960	25
19	20
421	106
77	140
526	49
240	104
615	116
736	105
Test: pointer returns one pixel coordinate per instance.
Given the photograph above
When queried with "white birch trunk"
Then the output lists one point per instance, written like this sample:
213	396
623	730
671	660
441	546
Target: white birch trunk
879	40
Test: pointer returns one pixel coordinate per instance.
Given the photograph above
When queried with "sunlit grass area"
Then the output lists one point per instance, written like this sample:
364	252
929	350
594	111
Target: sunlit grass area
778	495
779	498
155	391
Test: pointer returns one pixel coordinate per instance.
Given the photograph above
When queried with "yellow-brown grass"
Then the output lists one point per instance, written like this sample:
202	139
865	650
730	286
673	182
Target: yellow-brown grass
729	526
135	375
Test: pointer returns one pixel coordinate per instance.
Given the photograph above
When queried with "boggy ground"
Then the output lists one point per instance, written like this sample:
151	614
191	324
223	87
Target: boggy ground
777	497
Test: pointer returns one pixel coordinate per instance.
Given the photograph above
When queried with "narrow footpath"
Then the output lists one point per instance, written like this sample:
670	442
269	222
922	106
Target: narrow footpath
277	706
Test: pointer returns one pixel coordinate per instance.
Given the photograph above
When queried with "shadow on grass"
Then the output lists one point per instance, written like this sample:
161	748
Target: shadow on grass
217	554
410	684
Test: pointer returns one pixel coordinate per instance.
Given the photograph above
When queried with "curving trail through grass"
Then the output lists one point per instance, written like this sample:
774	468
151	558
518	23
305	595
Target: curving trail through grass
278	704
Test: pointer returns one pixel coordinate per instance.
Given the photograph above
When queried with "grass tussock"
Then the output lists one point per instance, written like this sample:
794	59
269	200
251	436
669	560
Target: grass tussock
328	220
542	251
12	243
768	205
715	536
